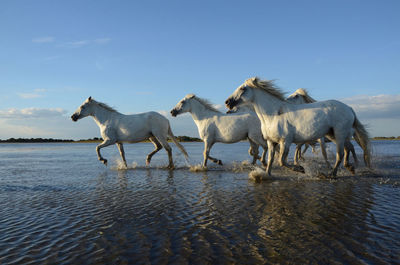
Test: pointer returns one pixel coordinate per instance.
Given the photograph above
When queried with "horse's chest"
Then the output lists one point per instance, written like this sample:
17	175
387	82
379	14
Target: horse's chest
275	130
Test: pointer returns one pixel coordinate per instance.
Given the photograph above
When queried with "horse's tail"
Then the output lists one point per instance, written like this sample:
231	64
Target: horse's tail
362	138
172	136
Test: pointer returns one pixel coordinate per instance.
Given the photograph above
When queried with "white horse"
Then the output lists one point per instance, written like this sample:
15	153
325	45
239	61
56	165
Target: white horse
116	128
301	96
215	126
286	123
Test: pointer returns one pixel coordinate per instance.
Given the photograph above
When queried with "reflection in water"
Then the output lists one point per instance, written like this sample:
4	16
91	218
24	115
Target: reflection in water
149	215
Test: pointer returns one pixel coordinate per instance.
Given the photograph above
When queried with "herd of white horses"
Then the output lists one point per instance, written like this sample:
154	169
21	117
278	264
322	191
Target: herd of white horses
258	112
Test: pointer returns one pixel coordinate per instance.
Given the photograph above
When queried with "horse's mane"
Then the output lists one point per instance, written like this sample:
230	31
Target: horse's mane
304	93
204	102
104	105
266	85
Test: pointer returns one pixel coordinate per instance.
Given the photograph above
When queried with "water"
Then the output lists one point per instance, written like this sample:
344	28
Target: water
59	205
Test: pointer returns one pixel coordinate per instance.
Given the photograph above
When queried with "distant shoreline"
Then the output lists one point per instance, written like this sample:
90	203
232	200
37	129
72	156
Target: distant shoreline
92	140
99	140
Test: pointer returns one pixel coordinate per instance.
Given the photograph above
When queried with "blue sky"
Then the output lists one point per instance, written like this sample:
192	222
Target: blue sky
146	55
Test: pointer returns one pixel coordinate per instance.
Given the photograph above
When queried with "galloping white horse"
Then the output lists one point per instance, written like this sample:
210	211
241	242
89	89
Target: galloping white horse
116	128
301	96
286	123
215	126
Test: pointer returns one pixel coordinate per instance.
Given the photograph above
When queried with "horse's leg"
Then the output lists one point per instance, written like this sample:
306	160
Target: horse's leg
297	154
271	154
306	146
350	146
283	157
253	151
162	139
264	153
346	163
339	155
105	143
122	153
206	154
157	146
323	151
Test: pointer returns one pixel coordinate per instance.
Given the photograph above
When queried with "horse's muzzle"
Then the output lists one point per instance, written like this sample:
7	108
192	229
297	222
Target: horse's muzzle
230	103
74	117
174	112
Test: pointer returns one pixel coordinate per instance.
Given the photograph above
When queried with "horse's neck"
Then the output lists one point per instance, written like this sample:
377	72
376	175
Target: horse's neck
200	112
101	115
266	105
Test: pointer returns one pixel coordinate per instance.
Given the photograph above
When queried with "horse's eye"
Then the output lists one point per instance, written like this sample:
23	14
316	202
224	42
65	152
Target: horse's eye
83	107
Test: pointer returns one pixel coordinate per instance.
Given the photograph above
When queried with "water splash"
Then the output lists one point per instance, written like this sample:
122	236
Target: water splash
197	168
119	165
238	167
258	174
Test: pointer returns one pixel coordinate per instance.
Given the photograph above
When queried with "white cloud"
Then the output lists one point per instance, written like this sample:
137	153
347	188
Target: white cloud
29	95
43	39
76	44
375	107
102	40
82	43
31	113
37	93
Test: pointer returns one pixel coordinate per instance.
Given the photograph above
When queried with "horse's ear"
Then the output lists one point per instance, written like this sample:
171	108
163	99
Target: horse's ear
255	80
90	98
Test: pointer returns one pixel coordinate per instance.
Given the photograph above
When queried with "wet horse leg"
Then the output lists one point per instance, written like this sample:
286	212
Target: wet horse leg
253	151
284	151
348	147
122	153
271	154
106	142
206	154
164	143
157	146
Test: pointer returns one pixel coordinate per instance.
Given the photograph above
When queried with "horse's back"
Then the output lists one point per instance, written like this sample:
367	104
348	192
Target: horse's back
314	120
140	126
234	127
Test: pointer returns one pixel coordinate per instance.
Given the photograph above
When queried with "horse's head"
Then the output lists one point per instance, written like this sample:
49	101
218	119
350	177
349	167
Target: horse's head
300	96
242	95
84	110
182	106
296	99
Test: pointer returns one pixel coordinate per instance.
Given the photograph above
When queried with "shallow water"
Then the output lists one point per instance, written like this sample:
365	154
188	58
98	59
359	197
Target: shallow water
59	205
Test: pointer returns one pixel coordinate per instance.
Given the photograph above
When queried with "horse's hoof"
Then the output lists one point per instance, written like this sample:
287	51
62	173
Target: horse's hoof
351	169
332	176
219	162
147	162
171	167
104	161
299	169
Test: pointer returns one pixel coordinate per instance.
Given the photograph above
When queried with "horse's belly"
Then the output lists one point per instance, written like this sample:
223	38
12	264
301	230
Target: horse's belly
133	135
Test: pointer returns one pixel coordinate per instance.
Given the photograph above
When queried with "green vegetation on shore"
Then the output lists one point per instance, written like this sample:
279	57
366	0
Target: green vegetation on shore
98	140
92	140
386	138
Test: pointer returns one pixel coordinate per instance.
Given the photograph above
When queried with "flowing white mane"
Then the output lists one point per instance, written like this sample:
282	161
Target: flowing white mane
304	93
266	85
104	105
204	102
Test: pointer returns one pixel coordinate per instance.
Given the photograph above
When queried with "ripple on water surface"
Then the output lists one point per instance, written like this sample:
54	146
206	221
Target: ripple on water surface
85	213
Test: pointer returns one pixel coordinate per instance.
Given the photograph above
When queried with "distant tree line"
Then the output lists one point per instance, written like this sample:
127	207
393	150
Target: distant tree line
35	140
386	138
95	139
